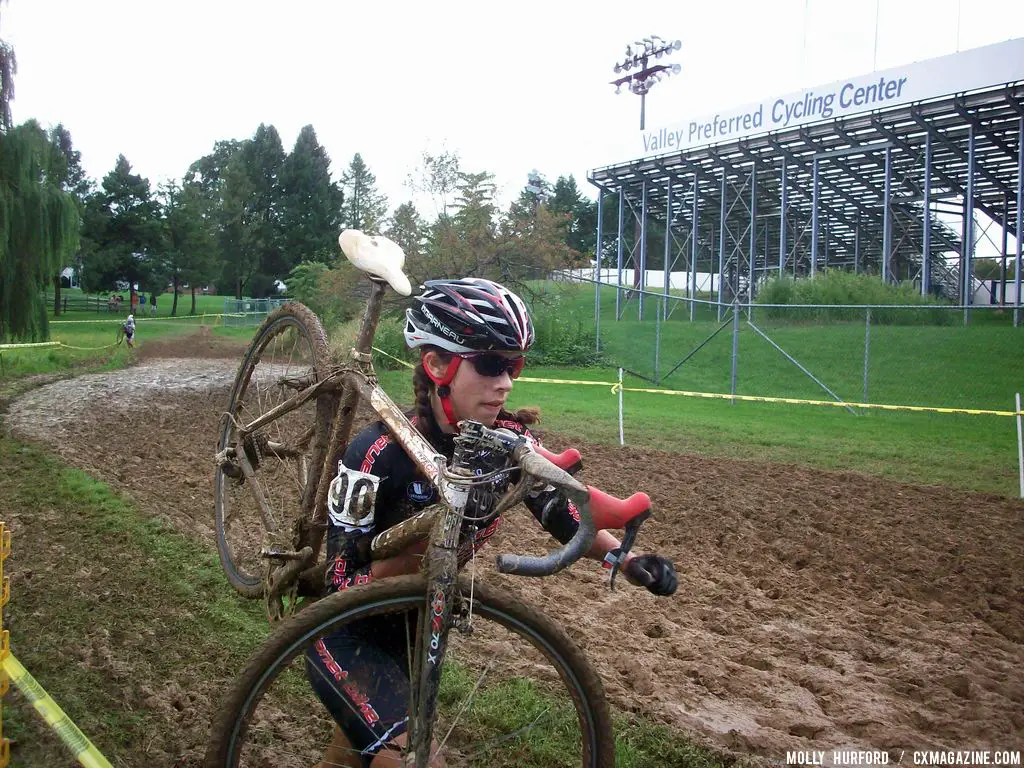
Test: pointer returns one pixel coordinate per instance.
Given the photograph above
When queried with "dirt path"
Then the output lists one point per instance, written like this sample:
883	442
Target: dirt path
816	610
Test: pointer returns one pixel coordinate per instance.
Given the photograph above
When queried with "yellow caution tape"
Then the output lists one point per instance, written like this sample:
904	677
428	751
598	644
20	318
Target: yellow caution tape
142	319
30	344
615	386
396	359
73	738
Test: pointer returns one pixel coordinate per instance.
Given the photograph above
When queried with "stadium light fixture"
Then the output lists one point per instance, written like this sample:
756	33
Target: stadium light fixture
641	82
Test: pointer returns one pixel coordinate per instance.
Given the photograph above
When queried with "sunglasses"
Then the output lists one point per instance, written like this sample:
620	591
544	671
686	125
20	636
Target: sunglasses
493	365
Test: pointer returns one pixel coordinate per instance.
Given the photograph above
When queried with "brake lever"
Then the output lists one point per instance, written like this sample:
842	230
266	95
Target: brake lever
617	557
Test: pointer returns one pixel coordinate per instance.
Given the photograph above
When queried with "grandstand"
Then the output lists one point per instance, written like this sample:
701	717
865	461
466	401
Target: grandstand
883	173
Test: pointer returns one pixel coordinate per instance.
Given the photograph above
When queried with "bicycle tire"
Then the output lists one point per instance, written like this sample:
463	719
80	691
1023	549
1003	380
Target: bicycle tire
240	529
234	716
120	334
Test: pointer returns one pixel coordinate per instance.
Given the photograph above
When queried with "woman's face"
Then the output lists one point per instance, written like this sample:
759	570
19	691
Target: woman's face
474	396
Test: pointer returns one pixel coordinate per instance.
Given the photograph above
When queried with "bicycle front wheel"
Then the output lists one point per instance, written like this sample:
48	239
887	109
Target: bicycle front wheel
515	691
288	354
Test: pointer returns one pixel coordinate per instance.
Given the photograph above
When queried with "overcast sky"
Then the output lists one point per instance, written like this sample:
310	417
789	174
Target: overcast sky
509	86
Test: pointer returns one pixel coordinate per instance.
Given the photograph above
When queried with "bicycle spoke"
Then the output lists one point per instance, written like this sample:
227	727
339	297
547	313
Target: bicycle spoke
469	700
287	349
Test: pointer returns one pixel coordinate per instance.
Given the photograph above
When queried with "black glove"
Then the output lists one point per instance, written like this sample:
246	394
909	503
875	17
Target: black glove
654	572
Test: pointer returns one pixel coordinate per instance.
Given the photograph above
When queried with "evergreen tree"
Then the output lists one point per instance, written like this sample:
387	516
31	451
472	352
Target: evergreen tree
364	207
39	229
407	228
122	227
264	158
235	227
311	203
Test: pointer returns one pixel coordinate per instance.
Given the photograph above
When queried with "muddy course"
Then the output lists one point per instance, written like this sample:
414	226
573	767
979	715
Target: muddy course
816	610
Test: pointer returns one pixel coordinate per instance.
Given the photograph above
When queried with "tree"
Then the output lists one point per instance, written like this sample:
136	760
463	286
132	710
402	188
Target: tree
364	208
122	227
311	205
248	178
437	177
39	229
264	158
189	252
8	69
70	177
407	228
578	213
236	230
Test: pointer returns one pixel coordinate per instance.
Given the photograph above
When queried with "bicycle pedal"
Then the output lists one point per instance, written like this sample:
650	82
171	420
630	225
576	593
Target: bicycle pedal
281	555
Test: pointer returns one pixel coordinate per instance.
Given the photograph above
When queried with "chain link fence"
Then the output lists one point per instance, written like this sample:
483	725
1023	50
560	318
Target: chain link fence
248	312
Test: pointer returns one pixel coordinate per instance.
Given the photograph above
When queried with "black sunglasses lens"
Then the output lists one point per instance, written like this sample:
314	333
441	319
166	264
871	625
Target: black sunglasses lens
496	365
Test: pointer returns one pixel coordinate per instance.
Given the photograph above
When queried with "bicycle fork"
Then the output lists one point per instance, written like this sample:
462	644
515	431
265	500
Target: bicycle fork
432	631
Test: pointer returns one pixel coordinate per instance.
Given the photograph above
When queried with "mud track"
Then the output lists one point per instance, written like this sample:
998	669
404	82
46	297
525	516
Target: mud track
816	610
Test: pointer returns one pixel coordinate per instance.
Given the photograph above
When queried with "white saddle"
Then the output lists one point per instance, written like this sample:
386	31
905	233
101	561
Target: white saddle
378	256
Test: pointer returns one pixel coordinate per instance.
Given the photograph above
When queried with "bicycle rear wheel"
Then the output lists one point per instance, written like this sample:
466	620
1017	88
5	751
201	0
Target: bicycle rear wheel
288	354
516	691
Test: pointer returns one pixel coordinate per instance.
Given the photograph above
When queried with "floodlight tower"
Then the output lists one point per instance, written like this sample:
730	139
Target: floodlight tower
641	82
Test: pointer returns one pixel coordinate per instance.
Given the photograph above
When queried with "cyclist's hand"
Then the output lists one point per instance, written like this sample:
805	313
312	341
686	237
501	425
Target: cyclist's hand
654	572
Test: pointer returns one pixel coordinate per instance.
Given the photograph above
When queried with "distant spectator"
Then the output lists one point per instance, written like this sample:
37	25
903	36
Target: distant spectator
134	300
152	304
129	330
142	299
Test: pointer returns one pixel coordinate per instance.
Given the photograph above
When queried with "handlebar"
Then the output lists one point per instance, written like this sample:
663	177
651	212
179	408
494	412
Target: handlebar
535	464
598	511
570	459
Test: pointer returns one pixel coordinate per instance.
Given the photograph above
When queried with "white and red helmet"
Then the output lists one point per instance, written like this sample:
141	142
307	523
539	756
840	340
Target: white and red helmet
468	315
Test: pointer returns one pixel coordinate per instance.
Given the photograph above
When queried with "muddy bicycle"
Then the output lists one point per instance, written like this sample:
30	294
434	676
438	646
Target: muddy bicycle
492	681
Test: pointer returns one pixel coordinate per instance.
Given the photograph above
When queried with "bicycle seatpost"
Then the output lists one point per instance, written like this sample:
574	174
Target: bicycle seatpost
371	316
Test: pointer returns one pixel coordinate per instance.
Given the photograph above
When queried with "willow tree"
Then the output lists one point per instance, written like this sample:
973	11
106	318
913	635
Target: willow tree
39	229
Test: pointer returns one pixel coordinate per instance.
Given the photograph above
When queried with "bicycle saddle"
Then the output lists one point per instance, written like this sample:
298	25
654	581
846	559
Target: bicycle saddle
377	256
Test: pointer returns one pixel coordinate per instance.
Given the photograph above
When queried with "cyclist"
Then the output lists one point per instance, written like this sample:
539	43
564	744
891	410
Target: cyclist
472	335
129	330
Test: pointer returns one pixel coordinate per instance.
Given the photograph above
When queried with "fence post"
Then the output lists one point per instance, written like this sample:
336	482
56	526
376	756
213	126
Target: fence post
735	342
657	339
622	438
867	350
1020	448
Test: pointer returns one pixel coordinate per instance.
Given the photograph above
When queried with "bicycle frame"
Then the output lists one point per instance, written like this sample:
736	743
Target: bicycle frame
441	522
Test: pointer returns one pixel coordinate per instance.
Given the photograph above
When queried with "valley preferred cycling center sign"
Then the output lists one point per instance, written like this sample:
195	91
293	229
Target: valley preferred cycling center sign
967	71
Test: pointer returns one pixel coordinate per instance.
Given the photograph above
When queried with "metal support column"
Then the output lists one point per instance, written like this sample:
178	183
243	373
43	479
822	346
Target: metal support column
753	233
693	248
1002	251
886	215
926	239
856	245
618	283
828	233
1020	219
815	192
782	221
641	270
721	247
968	259
668	248
926	235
